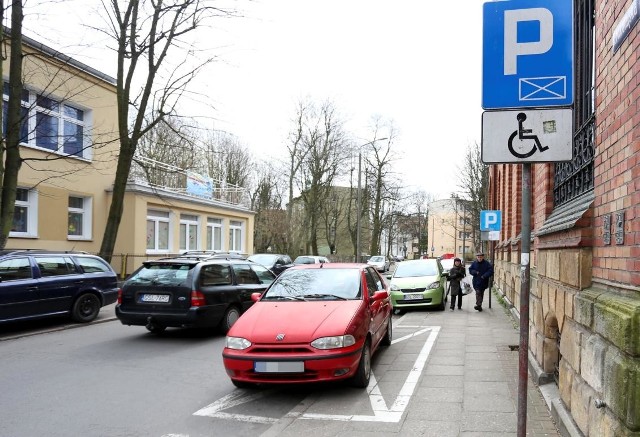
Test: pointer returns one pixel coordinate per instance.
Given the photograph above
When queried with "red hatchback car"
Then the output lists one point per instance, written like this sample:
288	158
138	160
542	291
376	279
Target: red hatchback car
316	322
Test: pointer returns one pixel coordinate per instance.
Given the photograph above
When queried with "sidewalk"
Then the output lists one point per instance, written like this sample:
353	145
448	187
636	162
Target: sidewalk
467	387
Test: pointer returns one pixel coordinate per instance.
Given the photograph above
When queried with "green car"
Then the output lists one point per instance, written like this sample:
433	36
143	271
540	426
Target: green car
418	283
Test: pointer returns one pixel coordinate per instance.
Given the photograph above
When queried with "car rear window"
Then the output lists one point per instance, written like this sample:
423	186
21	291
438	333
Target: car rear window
161	274
55	265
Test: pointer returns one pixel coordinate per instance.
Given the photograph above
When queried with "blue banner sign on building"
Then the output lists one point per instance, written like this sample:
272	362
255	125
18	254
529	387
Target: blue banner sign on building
199	185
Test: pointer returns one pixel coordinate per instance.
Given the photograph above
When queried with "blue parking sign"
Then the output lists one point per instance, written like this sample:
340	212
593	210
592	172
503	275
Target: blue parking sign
527	54
490	220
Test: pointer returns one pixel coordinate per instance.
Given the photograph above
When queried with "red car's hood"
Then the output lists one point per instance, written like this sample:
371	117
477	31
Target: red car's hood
300	322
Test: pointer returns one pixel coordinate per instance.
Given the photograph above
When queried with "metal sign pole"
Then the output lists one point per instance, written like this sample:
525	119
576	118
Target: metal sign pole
523	361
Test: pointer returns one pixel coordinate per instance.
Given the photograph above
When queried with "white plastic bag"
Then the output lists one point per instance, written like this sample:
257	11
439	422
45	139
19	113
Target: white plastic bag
466	287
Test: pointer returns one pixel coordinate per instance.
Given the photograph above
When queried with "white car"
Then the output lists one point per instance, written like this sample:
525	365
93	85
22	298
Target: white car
446	264
381	263
311	259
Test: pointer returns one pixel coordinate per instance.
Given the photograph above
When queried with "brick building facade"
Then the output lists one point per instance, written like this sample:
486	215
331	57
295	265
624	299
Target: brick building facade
585	225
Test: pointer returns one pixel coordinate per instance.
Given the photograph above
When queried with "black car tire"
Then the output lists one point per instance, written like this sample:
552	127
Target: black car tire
85	308
155	328
386	340
363	374
231	315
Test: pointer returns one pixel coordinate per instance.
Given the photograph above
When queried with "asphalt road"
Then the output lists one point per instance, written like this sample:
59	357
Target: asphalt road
106	379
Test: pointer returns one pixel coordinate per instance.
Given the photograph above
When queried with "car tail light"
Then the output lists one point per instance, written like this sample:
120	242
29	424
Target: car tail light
119	295
197	299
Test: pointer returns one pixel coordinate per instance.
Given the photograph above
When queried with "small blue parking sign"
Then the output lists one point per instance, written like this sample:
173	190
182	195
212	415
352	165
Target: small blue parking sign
527	54
490	220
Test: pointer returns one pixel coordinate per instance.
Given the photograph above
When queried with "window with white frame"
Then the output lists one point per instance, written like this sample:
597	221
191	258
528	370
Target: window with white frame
79	225
51	124
214	233
25	215
188	232
158	231
235	236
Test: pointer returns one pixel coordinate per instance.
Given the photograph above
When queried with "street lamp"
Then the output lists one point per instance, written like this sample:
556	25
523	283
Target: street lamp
359	196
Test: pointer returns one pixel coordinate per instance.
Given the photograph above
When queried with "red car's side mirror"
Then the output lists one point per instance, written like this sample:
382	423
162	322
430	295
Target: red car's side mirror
255	296
380	295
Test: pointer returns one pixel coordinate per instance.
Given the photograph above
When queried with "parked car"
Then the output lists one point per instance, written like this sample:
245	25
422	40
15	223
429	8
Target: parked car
188	292
310	259
418	283
317	322
208	254
40	283
277	263
379	262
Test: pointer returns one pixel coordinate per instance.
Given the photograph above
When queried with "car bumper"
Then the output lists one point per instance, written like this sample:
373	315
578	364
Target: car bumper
109	297
427	298
194	317
322	367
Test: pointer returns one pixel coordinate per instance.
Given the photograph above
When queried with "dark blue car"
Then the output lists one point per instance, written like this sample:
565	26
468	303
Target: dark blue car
37	283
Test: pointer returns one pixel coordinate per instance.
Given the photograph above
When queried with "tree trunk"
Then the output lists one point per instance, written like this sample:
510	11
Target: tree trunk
14	119
127	150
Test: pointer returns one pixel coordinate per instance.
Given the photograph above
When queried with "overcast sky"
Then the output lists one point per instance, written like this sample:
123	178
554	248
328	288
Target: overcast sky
415	62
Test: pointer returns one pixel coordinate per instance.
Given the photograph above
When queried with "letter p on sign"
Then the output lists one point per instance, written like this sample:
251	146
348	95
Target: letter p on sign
513	48
490	220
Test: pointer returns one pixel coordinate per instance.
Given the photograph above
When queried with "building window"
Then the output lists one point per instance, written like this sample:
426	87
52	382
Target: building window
157	231
214	234
188	232
79	224
235	236
51	124
571	179
25	215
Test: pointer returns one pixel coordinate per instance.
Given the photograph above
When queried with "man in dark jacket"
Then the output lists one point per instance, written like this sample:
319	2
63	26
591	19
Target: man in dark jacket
481	270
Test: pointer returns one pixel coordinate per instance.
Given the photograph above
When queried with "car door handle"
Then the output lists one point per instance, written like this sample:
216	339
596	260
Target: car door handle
32	288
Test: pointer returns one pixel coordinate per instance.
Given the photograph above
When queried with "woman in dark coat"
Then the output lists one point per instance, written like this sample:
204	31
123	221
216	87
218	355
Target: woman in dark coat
456	275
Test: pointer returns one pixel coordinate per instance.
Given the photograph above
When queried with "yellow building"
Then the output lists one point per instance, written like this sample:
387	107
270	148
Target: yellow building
447	231
70	147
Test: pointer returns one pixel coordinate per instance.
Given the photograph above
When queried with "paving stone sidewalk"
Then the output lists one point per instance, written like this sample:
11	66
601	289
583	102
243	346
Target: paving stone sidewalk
467	388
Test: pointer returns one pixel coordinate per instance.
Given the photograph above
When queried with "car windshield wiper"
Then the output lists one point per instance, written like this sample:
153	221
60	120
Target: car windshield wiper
320	296
284	297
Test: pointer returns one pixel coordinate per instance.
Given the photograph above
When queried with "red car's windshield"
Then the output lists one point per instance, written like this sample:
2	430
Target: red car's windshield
316	283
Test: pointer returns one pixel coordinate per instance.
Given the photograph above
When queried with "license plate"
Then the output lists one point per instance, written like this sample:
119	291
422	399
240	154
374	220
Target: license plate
278	366
413	296
162	298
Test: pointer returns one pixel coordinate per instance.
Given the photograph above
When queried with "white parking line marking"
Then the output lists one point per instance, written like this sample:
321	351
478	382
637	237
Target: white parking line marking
381	413
378	404
234	398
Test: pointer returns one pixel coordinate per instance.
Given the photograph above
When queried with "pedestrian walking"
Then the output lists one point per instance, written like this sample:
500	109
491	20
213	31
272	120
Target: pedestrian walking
456	275
481	270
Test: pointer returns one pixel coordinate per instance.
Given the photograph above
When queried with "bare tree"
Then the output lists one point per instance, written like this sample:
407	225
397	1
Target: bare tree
326	148
270	221
379	161
145	32
165	153
474	185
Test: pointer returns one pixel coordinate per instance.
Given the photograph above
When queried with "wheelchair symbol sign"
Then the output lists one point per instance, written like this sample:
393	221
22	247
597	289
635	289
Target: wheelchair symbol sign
517	136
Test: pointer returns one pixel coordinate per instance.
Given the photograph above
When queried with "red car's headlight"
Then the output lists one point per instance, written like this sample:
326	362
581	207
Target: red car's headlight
237	343
333	342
